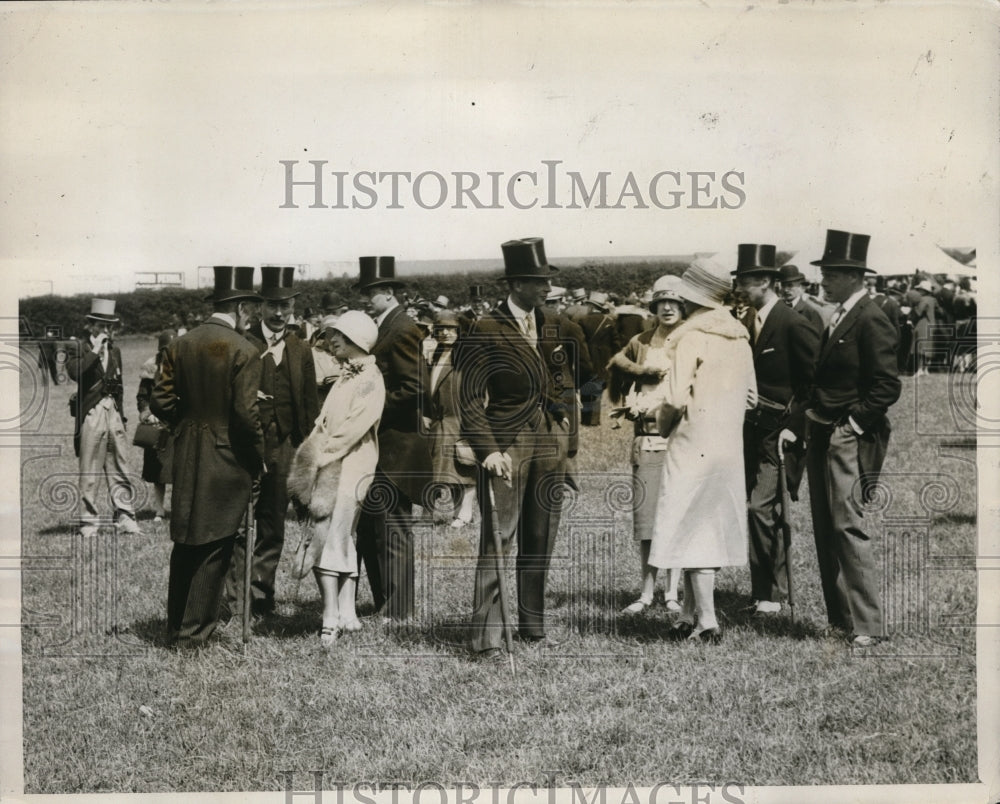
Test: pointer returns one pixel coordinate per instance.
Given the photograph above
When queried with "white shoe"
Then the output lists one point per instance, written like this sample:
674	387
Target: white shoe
767	607
672	605
638	607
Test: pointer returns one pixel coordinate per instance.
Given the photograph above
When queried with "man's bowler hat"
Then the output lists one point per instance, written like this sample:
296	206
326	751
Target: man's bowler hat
525	259
845	250
790	274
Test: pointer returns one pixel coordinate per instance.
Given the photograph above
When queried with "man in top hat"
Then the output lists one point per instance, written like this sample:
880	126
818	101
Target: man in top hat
856	381
99	438
515	416
601	334
793	291
288	402
385	530
784	345
207	392
479	304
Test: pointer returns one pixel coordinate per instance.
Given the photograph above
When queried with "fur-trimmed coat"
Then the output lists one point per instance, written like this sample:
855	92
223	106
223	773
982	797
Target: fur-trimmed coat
336	461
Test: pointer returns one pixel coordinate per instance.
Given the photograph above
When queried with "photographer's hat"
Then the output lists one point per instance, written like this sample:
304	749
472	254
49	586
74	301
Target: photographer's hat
103	310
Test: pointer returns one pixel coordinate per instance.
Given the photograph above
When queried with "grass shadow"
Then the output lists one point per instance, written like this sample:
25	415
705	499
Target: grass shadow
152	631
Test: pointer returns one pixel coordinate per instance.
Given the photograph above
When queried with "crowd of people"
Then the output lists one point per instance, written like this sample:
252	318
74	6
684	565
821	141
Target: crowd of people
736	381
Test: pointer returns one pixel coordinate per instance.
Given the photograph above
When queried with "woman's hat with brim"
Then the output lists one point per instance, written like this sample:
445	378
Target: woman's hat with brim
755	259
446	318
358	328
845	250
276	282
377	272
232	284
706	283
599	300
525	259
664	289
925	285
103	310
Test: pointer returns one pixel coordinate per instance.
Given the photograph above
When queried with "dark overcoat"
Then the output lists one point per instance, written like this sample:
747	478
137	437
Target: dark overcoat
94	382
207	392
404	451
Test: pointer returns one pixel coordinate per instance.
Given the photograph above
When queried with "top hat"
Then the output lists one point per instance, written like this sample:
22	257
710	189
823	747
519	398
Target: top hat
233	283
477	292
376	271
276	282
790	274
755	259
705	282
525	259
578	294
103	310
598	300
845	250
664	289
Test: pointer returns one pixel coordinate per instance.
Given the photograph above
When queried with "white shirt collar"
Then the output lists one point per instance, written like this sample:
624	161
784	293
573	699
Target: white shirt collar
225	318
853	299
763	311
381	316
269	333
516	311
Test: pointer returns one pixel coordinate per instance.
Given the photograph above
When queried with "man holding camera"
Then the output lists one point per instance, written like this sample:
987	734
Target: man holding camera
99	438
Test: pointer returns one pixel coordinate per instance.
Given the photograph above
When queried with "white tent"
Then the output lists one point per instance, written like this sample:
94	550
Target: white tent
904	256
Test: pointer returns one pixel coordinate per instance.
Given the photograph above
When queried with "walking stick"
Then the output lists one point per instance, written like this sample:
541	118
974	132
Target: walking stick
786	528
501	573
251	538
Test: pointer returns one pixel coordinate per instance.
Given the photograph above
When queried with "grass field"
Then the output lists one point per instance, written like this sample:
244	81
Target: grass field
107	707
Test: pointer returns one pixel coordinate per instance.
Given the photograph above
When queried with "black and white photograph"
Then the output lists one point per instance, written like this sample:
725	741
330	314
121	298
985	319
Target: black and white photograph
500	403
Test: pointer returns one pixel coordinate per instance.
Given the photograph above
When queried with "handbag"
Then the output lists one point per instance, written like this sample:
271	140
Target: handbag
150	436
668	417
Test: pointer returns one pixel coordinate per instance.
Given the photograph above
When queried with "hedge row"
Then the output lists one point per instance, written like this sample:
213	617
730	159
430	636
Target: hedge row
149	311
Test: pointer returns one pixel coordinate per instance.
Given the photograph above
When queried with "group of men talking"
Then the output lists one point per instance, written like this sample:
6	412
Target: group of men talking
239	397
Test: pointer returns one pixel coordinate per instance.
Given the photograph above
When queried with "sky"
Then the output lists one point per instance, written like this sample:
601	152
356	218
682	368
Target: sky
150	136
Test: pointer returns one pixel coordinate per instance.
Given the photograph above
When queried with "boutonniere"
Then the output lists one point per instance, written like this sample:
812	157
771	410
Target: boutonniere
352	369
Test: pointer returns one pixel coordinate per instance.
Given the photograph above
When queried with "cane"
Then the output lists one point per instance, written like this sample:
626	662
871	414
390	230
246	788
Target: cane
786	529
251	534
501	573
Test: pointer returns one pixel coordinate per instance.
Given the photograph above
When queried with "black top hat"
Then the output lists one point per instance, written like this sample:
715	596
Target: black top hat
845	250
276	282
233	283
791	273
477	292
755	259
377	271
525	259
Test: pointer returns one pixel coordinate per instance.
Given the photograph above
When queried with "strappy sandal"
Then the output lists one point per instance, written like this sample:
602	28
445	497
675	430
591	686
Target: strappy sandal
328	635
638	607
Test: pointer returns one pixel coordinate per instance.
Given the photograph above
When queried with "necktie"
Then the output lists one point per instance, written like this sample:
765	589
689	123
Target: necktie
275	348
528	327
837	315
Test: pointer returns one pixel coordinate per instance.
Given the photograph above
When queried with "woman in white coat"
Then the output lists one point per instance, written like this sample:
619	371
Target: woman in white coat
333	469
701	521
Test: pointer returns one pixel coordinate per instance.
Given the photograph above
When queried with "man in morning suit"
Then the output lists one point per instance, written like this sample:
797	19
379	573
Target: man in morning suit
207	392
514	415
784	347
855	382
793	291
99	438
385	530
288	401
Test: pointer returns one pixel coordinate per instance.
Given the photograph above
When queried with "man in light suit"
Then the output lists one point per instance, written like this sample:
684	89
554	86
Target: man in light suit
784	351
856	381
793	287
385	530
288	402
99	438
515	416
207	392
